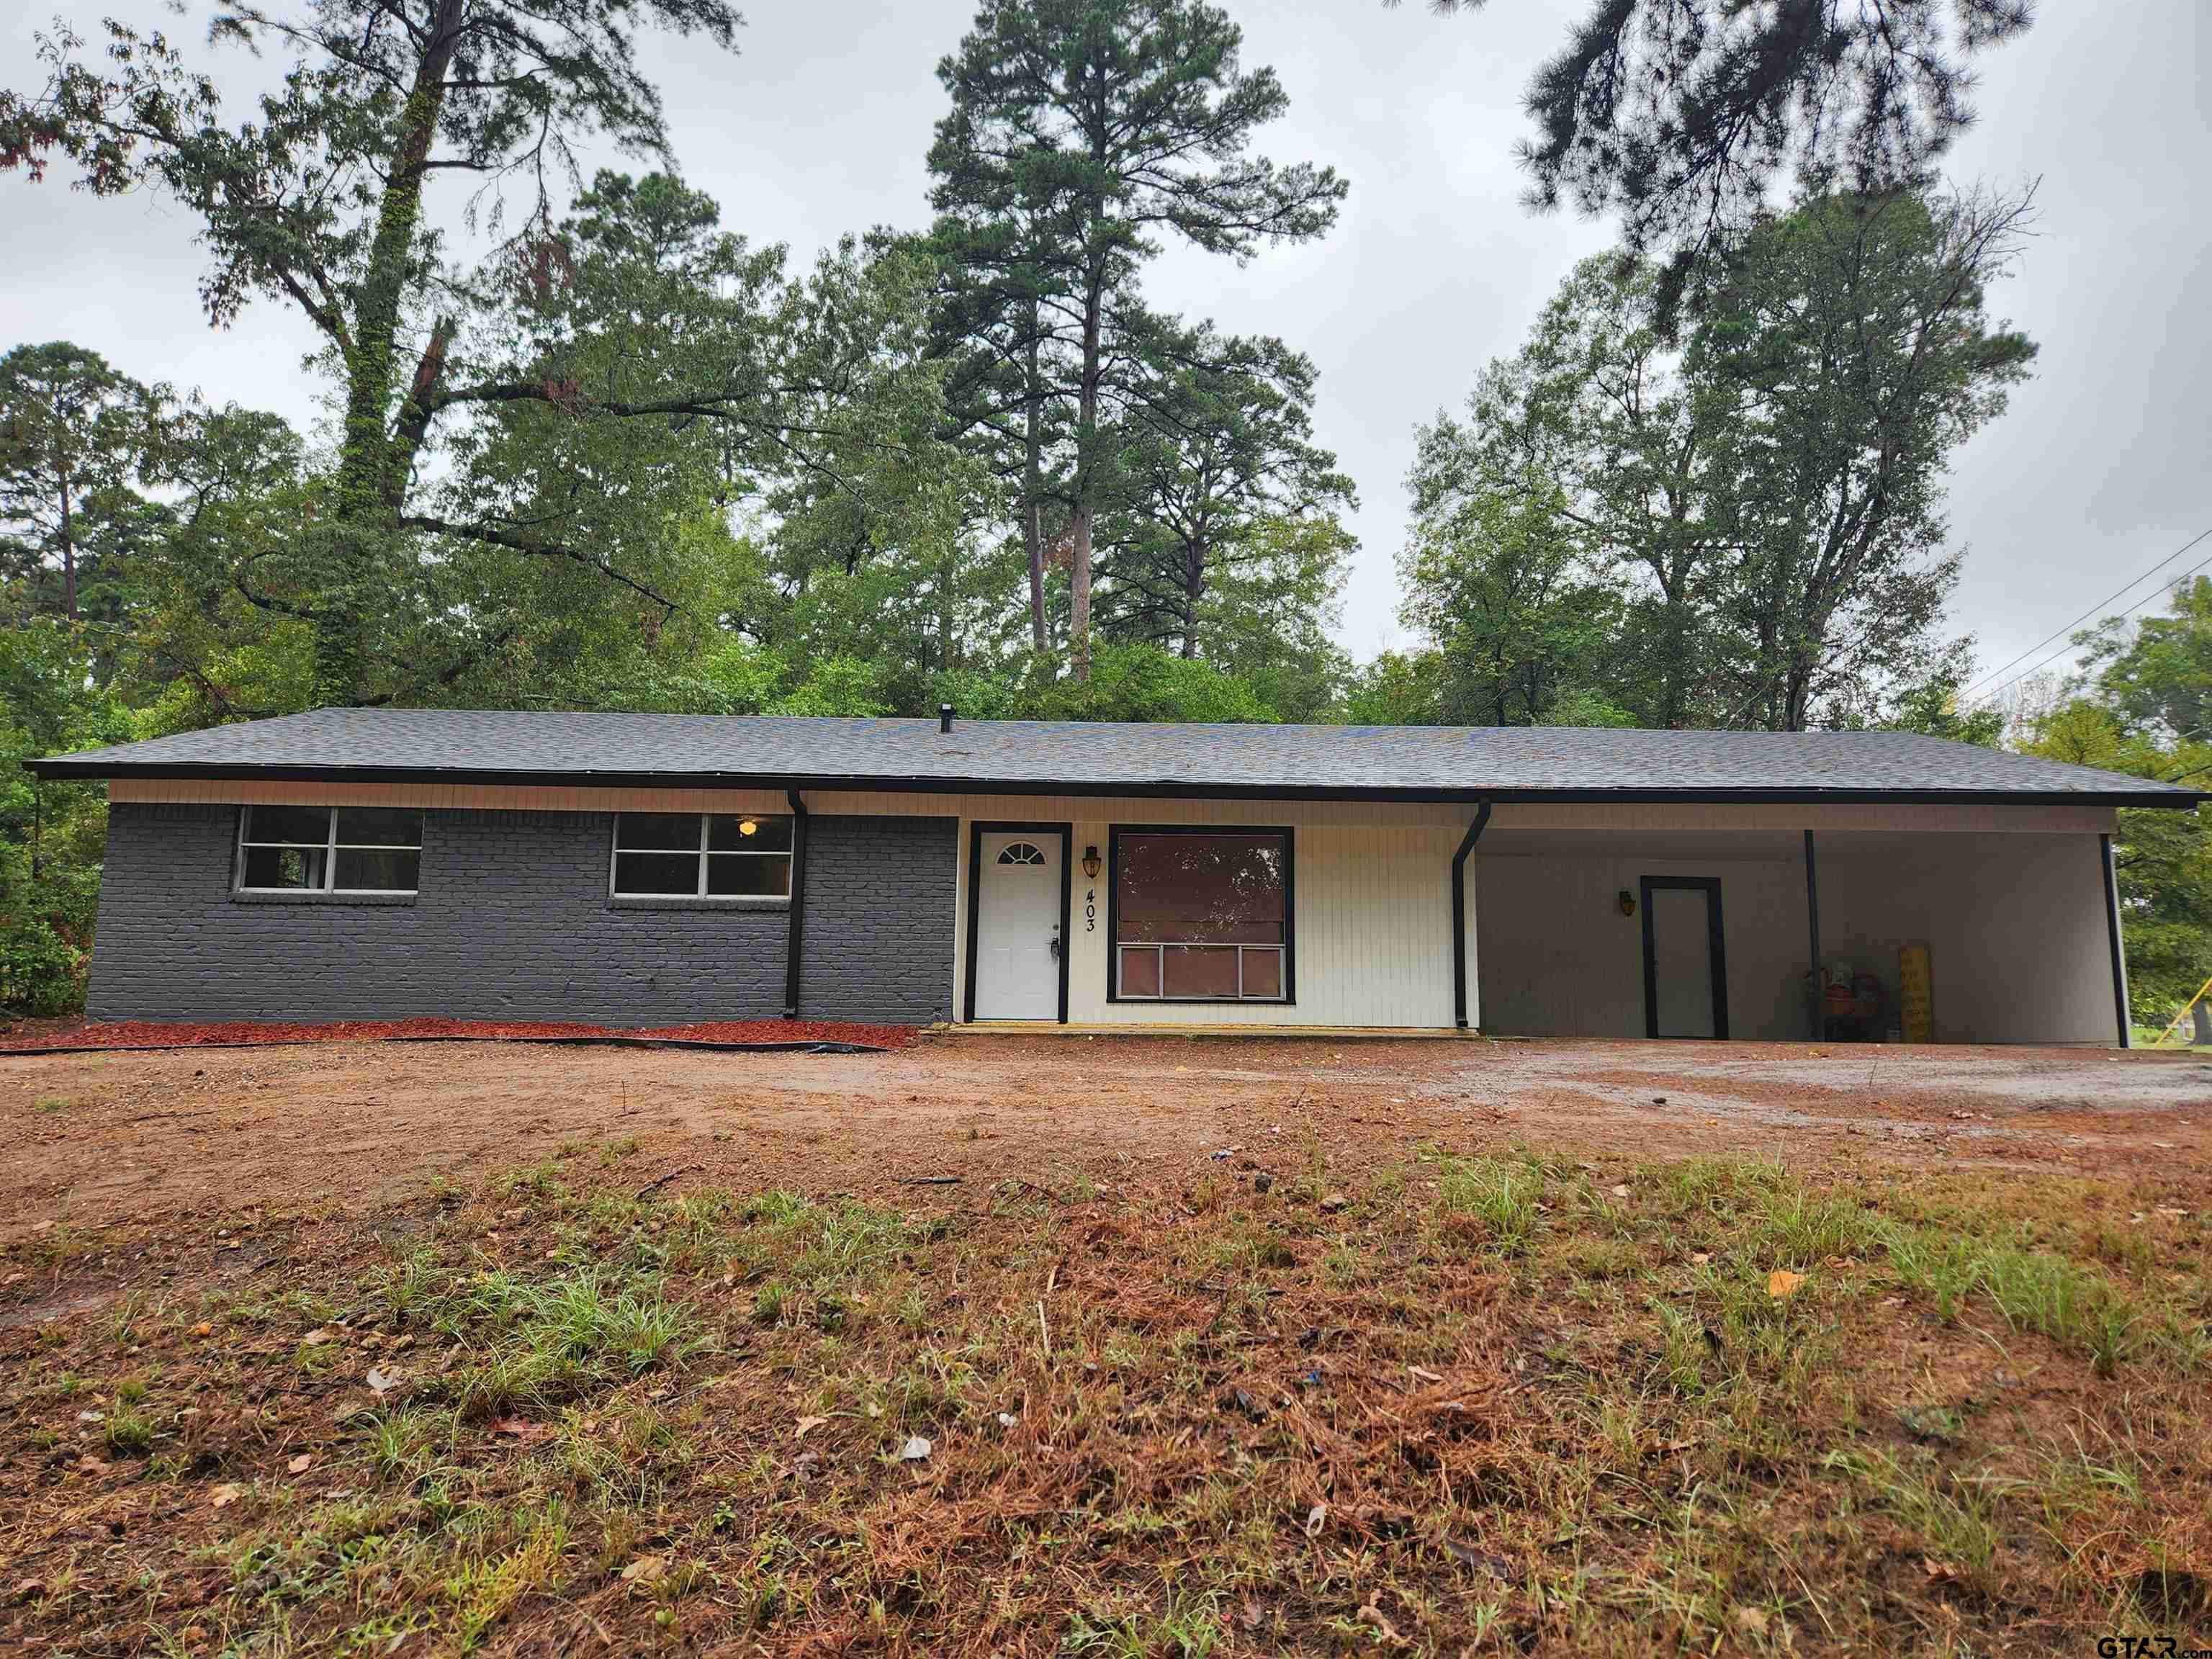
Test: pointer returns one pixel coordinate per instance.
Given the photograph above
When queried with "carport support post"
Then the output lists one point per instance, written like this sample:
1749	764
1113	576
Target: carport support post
792	945
1459	914
1814	998
2112	923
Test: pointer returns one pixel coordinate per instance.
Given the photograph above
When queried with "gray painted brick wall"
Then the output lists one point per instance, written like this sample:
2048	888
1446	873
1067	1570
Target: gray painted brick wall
877	938
512	922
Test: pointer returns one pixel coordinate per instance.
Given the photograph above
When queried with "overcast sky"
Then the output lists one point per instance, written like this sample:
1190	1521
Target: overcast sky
819	126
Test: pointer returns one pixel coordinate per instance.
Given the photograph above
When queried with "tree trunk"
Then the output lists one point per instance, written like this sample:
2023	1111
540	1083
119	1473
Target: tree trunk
1087	438
69	553
1033	536
413	424
1673	697
1079	594
1194	587
1798	711
1032	488
363	462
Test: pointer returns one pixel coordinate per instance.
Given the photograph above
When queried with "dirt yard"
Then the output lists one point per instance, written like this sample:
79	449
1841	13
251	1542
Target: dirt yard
1162	1348
92	1138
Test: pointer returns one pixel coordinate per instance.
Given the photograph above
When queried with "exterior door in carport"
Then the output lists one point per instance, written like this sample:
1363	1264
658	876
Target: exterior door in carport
1017	926
1685	965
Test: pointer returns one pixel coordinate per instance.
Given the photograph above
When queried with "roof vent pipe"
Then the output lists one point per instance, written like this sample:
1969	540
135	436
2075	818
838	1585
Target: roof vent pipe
943	717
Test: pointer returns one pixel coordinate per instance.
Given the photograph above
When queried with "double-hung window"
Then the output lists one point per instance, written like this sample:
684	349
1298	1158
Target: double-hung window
330	850
1202	916
707	855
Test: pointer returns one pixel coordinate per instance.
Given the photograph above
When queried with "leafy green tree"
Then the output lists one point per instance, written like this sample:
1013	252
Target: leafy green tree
1845	356
796	491
51	835
1936	707
2156	672
1593	423
1500	577
1217	456
319	202
1681	115
1003	322
75	437
1399	688
733	447
1103	124
1766	496
1129	681
1268	610
208	644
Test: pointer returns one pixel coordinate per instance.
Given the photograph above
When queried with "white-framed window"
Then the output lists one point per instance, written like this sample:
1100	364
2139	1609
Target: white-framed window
701	855
1020	851
330	850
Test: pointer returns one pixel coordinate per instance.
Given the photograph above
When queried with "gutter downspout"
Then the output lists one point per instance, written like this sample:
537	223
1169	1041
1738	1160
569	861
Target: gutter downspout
1459	913
792	950
1817	1016
2119	959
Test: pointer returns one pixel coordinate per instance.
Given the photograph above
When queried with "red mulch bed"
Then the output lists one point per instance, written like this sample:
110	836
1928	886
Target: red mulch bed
236	1033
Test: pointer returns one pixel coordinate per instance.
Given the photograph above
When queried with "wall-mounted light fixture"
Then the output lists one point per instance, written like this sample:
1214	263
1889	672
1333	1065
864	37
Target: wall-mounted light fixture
1090	864
1626	900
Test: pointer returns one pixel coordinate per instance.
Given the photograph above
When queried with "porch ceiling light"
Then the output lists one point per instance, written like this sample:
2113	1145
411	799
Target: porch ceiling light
748	826
1091	864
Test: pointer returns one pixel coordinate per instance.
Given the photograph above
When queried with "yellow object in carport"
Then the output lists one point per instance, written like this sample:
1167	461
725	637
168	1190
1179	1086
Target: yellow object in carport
2201	992
1915	996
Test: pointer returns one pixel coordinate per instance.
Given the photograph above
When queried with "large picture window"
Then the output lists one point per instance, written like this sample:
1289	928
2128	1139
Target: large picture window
701	855
330	850
1202	916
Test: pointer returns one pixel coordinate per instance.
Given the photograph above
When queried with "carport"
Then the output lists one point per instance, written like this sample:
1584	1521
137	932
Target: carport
1922	923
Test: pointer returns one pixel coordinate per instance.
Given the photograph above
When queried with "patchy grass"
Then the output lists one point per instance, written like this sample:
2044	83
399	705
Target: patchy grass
1470	1401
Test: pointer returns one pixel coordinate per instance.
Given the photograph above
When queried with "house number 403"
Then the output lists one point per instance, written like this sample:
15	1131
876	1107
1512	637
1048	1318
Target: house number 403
1091	910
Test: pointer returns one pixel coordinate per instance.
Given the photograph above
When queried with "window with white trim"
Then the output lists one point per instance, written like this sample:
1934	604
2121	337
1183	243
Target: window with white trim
330	850
707	855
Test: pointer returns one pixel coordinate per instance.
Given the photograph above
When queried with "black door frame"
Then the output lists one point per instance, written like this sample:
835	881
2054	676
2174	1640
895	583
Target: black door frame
977	830
1717	951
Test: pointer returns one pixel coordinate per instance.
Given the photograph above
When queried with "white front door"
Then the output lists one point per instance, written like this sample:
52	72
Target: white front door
1017	941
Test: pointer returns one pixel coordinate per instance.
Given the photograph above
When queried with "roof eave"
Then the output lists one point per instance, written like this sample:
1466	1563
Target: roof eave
66	766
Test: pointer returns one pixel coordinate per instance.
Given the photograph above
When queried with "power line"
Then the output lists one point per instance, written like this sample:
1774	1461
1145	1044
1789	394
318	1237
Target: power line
2084	616
1996	692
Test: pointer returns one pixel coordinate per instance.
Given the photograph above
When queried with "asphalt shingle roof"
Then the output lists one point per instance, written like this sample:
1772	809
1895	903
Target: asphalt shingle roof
1064	758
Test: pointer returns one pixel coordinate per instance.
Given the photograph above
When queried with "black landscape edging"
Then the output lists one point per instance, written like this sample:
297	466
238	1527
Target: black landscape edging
824	1047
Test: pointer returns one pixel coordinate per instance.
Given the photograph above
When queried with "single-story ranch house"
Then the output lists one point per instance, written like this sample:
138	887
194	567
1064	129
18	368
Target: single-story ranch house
651	869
